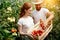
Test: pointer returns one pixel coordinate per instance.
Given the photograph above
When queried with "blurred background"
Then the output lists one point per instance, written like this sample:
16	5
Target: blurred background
9	14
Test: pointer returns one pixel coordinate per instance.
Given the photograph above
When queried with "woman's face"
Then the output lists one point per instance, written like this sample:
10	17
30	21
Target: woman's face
29	11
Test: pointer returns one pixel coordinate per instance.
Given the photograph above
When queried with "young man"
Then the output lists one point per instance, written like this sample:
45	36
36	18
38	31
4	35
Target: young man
41	13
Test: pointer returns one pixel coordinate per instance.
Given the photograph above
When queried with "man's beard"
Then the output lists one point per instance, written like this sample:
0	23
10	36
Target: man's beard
38	9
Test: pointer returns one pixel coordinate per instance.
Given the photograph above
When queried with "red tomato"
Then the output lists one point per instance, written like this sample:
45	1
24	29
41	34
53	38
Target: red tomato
39	32
34	33
13	30
42	25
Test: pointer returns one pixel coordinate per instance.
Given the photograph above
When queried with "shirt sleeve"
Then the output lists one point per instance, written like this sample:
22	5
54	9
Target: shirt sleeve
46	10
20	22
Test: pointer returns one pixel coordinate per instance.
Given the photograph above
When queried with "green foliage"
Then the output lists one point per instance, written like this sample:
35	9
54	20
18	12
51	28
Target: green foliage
9	11
55	33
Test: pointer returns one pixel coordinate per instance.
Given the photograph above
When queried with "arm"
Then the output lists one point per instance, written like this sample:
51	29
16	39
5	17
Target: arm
50	17
20	29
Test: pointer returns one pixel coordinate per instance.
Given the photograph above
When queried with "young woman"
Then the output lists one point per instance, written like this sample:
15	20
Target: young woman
25	22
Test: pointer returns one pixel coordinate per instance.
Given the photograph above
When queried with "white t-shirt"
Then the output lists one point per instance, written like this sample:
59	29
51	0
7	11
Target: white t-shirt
26	23
37	15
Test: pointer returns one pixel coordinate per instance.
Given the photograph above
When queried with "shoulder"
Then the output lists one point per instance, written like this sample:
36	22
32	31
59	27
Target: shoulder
44	9
33	12
20	21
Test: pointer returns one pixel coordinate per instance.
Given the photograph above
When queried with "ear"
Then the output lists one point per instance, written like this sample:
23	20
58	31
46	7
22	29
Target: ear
25	10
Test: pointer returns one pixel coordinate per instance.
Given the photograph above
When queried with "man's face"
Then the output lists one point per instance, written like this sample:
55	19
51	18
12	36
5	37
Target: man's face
38	6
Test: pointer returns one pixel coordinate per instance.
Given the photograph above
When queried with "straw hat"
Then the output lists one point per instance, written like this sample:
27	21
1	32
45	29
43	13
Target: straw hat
37	1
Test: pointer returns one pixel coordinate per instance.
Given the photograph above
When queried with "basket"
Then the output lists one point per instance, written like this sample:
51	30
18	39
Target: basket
45	33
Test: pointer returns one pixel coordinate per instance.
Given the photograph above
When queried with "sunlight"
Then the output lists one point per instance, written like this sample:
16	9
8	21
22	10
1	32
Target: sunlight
50	3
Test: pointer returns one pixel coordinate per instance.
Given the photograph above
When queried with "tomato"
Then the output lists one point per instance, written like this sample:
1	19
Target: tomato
38	32
34	33
13	30
42	25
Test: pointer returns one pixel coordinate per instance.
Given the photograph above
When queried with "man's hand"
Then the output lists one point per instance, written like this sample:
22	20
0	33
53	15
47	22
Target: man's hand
49	16
42	24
